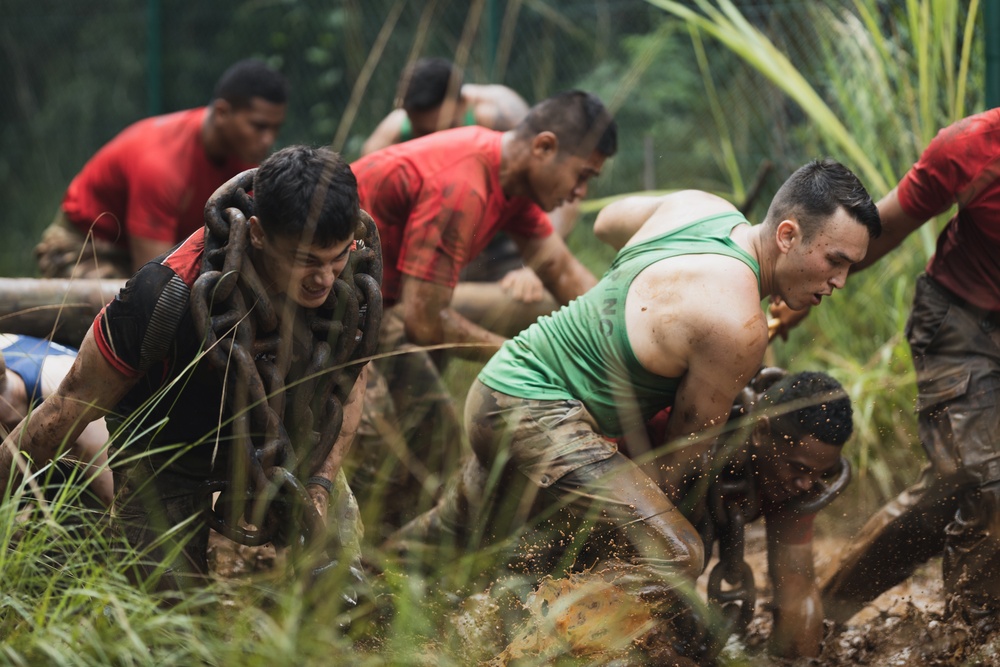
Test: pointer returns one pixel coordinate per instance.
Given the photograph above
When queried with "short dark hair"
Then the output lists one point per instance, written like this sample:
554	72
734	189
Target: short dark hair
577	118
306	193
248	79
426	83
816	190
815	404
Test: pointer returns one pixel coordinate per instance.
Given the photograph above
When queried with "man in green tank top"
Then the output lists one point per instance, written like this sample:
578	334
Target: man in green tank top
675	321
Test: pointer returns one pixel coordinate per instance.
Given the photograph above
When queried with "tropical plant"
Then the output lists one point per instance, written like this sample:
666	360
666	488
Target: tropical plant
893	73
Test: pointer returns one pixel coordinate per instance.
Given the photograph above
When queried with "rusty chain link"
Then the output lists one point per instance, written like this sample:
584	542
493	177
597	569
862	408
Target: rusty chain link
284	390
733	500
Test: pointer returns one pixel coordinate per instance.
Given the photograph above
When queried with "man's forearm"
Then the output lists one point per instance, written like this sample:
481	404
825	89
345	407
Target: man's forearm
38	438
798	610
475	342
798	628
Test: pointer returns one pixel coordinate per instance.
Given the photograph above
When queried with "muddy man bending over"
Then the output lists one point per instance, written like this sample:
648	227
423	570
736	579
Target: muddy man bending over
676	320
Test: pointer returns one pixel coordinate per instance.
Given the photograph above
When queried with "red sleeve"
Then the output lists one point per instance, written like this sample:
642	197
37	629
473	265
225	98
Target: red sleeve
438	234
929	188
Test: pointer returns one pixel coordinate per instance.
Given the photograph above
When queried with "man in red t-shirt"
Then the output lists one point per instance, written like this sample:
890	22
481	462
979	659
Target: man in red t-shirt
438	201
954	336
145	190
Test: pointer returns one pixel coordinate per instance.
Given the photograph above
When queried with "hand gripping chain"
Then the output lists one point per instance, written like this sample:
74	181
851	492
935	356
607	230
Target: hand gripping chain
733	498
283	427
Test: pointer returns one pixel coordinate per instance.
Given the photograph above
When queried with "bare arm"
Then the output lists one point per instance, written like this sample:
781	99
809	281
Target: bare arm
348	430
143	250
704	398
386	133
617	222
430	320
502	109
562	274
798	611
90	389
896	226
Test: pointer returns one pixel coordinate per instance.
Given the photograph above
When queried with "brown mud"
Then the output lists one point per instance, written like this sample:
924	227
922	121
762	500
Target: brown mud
584	620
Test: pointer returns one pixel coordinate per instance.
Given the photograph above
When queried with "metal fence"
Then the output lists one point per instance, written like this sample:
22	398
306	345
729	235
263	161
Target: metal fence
77	72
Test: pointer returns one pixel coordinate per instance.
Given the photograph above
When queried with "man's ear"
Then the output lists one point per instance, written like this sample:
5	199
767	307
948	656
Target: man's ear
544	144
221	109
256	232
787	234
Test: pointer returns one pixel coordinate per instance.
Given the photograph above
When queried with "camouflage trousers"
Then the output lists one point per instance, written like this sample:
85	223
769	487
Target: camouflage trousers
161	514
543	476
410	438
954	509
65	252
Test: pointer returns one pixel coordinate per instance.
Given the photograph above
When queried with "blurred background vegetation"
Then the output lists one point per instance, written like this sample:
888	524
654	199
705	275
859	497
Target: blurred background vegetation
728	96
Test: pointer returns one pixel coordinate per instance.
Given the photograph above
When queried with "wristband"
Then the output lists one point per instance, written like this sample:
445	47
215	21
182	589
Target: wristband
321	481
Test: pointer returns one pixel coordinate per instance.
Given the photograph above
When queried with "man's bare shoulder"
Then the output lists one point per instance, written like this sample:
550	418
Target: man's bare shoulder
681	208
684	304
386	133
495	106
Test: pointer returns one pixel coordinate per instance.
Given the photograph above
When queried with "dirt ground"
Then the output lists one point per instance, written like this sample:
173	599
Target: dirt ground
904	626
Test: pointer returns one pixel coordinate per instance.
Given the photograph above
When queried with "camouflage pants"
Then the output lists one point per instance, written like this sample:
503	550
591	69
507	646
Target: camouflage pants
954	508
543	473
410	438
64	252
161	515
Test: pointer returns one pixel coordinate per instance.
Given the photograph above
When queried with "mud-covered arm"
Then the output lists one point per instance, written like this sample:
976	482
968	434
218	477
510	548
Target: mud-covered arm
619	221
897	224
563	275
720	362
798	611
91	388
430	320
342	445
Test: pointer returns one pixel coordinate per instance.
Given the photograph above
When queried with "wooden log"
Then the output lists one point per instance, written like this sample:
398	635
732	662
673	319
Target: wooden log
56	308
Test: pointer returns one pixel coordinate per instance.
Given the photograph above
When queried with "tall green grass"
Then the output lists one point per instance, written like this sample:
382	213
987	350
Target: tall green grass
893	74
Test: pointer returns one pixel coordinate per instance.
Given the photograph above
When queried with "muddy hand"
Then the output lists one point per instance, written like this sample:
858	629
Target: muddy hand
783	319
523	285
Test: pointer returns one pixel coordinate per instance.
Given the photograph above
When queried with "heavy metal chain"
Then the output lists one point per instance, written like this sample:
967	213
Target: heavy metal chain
283	427
733	500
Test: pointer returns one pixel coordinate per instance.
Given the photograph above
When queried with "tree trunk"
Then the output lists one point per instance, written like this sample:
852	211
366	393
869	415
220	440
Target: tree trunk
62	310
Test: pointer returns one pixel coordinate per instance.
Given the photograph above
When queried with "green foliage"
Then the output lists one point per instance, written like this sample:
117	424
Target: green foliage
893	73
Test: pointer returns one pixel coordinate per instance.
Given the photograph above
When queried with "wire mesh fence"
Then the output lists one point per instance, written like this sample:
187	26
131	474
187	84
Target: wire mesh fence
78	72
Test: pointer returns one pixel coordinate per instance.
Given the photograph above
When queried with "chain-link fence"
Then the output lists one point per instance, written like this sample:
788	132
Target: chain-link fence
691	114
